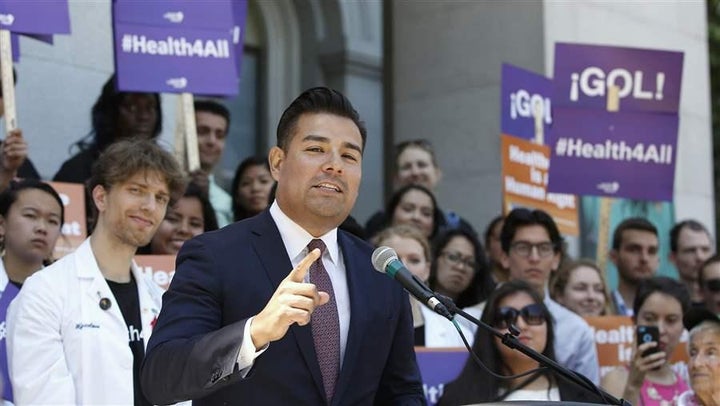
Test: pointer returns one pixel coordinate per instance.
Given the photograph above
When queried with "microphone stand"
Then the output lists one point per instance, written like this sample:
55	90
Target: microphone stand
512	342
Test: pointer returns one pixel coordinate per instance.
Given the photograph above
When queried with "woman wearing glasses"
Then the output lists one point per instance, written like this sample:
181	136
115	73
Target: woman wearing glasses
649	380
458	268
513	303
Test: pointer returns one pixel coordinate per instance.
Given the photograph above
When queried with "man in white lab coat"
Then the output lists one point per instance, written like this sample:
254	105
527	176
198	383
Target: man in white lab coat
78	329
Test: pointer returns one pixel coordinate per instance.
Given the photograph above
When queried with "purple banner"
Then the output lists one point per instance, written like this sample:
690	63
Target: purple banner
438	367
35	17
649	80
215	16
629	155
174	60
523	93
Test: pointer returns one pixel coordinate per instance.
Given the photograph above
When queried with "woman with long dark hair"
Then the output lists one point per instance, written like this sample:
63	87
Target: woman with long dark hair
515	303
115	115
458	268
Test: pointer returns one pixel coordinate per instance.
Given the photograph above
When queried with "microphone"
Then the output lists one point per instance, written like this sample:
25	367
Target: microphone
385	260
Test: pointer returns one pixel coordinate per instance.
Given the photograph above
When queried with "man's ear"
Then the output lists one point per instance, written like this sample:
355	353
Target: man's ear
99	195
276	158
613	255
505	260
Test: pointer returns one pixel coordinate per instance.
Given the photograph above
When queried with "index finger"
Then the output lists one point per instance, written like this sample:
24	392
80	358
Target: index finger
299	272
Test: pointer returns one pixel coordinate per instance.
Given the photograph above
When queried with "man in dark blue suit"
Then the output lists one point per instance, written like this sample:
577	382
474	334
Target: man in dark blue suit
284	308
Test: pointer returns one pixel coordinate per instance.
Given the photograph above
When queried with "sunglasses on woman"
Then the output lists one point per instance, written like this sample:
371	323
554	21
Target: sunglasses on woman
532	314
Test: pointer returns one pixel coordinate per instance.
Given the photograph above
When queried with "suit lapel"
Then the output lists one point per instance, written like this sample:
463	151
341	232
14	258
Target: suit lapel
358	287
269	247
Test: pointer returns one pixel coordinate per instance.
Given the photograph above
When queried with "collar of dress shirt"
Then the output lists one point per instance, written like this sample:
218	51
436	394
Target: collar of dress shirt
296	238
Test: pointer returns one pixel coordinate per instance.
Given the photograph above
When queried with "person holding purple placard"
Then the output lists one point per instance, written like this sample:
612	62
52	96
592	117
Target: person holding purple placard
14	160
115	115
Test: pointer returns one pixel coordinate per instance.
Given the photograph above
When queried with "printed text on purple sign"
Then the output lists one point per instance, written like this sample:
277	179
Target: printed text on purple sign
593	81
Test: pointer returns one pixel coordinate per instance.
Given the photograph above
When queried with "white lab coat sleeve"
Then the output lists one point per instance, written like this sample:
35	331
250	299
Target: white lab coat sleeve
36	357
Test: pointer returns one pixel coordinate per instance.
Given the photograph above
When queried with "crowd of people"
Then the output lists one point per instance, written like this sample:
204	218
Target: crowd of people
233	310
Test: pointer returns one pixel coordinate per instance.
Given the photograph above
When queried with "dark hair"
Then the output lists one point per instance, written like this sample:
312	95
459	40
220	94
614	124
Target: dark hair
677	228
104	118
488	230
632	223
312	101
9	196
701	274
396	197
481	284
522	217
208	212
211	106
240	212
661	284
474	384
126	158
420	143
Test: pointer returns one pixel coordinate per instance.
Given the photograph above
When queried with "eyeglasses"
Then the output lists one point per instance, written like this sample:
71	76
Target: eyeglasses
532	314
457	259
713	285
524	249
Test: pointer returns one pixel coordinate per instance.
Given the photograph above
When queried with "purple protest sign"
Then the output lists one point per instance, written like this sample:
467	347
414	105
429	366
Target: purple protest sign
523	93
629	155
649	80
35	17
438	367
174	60
217	15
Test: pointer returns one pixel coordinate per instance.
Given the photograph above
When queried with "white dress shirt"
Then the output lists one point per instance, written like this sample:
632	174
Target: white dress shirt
295	239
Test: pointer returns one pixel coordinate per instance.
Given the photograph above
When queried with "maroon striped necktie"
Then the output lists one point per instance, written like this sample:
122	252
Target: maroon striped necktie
325	324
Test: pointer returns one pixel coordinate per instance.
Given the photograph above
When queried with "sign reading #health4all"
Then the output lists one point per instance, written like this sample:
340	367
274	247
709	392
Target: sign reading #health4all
629	153
175	46
35	17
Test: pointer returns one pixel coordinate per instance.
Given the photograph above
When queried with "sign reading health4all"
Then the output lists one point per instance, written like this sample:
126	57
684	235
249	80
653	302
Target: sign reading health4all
524	95
599	153
35	17
648	80
168	48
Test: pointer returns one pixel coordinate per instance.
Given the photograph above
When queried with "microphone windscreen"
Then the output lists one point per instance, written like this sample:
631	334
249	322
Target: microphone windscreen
381	256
